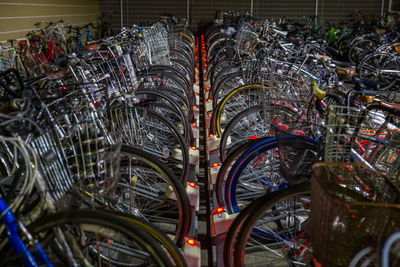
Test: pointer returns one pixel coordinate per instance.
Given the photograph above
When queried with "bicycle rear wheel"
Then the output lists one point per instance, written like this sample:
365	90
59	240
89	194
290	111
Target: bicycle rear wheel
380	67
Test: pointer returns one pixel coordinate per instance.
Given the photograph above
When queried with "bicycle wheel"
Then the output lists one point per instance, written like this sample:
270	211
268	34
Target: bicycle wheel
359	49
173	251
382	68
166	82
231	157
226	85
253	123
159	97
95	238
271	165
273	230
217	68
148	189
235	102
147	129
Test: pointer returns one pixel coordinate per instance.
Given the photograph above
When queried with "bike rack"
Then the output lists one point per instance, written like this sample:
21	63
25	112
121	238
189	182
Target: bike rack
192	248
220	220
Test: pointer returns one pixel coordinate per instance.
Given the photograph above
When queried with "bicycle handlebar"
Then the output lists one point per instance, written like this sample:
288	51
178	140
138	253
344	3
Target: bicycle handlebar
87	26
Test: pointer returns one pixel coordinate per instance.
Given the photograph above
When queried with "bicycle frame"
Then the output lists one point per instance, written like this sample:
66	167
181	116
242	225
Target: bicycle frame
23	46
79	43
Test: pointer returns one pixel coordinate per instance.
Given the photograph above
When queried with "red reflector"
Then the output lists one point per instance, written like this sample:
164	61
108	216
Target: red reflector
191	242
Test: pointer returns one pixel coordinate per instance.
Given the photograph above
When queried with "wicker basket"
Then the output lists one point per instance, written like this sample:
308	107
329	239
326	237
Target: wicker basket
352	208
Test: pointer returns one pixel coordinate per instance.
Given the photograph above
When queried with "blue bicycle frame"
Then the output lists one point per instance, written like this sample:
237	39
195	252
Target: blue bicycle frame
78	40
17	244
88	37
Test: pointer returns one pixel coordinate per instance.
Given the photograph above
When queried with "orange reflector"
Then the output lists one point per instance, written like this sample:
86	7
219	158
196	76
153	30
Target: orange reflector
192	184
193	148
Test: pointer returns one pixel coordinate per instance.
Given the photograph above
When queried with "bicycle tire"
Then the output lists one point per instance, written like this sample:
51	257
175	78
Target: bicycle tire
152	230
301	144
179	190
372	72
233	154
243	228
240	117
188	133
90	220
216	118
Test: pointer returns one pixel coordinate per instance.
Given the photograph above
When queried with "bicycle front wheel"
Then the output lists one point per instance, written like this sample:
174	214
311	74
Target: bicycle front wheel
94	238
274	231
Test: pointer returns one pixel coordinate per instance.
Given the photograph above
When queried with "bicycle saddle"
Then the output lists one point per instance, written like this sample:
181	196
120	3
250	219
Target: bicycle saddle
54	75
362	84
61	60
346	72
380	31
93	47
36	36
295	40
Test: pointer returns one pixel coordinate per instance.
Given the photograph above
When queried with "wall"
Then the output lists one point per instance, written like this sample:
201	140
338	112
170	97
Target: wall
203	11
17	17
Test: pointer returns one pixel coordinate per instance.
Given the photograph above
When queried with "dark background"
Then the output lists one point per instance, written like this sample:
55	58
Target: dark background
203	11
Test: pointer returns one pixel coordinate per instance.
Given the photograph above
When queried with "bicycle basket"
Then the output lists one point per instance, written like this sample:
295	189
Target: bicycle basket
52	163
93	160
246	41
352	208
77	154
354	135
156	37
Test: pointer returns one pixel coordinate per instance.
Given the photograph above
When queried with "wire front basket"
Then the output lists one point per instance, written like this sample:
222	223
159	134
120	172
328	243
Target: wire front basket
369	136
79	155
246	41
352	208
156	37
